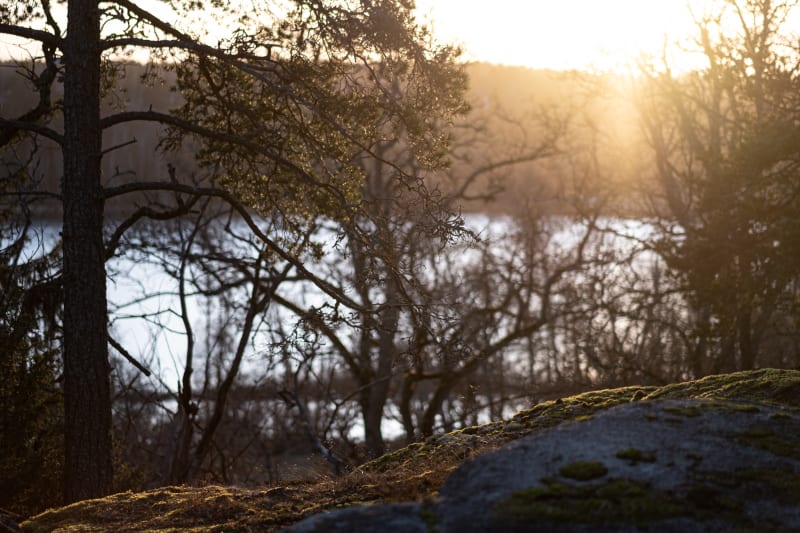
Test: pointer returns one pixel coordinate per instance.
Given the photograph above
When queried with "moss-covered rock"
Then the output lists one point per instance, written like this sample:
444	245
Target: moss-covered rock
769	385
729	485
635	455
583	470
717	470
612	502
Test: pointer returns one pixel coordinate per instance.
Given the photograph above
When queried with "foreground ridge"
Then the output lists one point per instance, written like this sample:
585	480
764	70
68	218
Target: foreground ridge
762	405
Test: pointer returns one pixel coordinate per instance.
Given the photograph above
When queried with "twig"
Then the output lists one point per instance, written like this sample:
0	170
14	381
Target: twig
118	347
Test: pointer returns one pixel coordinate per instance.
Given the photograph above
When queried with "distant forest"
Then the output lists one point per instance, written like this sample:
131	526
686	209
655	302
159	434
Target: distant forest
510	103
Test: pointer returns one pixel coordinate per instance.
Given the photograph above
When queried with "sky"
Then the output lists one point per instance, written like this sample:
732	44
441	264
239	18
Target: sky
551	34
555	34
559	34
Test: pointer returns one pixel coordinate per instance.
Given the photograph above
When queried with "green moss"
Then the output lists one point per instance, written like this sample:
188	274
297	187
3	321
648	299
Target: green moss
607	398
768	385
621	501
742	407
583	470
616	501
392	459
757	433
712	499
636	456
765	439
578	407
430	518
778	483
691	411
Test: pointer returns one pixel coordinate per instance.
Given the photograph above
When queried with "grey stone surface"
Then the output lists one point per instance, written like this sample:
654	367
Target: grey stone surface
705	448
391	518
667	465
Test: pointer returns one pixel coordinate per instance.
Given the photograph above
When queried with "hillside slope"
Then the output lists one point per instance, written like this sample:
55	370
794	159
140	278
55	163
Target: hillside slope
761	399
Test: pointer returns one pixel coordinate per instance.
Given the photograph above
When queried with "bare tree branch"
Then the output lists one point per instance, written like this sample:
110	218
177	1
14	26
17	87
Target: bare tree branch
30	33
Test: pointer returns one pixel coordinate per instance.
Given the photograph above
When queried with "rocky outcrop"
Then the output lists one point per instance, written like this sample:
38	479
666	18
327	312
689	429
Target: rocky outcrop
719	453
655	465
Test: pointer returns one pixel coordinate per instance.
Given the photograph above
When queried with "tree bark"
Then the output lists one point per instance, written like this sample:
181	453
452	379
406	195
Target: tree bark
87	403
372	414
378	391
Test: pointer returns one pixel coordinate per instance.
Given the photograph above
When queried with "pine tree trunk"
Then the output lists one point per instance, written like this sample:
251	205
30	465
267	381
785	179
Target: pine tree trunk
87	404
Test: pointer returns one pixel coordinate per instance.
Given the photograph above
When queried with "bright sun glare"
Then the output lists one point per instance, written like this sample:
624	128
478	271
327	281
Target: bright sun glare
564	34
544	34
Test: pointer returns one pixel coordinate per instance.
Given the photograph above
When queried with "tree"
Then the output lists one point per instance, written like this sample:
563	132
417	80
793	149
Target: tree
725	193
278	106
223	278
416	284
30	396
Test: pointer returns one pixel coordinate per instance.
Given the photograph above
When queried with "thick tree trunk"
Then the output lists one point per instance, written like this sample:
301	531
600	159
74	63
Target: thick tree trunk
87	404
378	391
373	436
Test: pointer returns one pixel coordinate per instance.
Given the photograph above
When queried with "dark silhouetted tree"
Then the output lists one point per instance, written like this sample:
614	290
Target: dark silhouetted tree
726	189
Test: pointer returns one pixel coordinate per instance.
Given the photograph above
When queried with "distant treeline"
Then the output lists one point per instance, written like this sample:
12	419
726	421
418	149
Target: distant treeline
513	106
